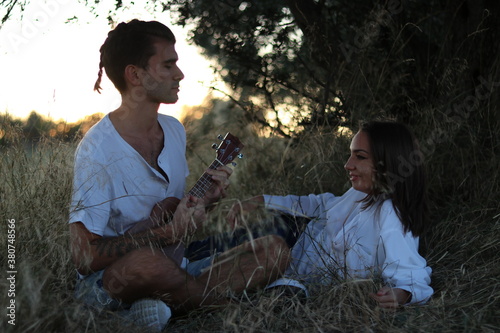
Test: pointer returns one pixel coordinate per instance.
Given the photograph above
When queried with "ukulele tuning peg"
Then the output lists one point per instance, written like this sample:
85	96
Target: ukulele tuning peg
219	137
214	146
234	164
240	155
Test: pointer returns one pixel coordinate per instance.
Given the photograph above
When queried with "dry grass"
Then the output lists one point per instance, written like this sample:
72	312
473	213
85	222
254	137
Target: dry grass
462	249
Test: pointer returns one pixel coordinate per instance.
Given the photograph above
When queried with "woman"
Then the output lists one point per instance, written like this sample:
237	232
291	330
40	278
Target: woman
371	230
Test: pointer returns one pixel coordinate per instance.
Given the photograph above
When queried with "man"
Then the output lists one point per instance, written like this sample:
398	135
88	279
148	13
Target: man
127	239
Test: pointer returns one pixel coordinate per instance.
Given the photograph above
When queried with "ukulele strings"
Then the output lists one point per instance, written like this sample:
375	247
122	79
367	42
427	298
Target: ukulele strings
205	181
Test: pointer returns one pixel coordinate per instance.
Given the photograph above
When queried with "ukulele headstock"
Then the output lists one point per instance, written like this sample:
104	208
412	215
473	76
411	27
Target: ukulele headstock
229	149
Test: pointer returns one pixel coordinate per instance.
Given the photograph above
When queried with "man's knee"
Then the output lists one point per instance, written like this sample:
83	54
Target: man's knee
275	249
272	243
140	269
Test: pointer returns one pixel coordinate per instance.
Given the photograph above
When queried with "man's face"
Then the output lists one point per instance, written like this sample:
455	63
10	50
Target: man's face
161	78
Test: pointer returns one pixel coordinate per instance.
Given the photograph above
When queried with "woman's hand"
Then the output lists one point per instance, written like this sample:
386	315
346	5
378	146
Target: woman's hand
391	298
217	191
238	210
189	215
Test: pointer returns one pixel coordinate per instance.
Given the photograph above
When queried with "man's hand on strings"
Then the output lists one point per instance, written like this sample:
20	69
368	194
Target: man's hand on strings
217	191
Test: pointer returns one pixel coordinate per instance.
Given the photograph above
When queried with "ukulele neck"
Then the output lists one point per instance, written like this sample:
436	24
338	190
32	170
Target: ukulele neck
204	183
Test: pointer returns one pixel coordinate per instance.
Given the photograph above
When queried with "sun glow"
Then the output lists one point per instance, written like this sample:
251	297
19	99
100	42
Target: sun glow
49	62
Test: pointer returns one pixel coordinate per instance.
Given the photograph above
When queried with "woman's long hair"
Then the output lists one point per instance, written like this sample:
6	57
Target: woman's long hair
399	173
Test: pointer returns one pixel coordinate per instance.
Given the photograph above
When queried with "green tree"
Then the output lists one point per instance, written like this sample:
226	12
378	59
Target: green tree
296	64
329	62
432	64
269	60
312	65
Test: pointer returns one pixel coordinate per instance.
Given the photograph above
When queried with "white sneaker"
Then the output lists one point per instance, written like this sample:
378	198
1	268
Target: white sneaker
285	282
151	313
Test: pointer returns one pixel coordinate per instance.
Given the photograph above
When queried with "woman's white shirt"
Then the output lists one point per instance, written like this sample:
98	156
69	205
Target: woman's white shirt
343	240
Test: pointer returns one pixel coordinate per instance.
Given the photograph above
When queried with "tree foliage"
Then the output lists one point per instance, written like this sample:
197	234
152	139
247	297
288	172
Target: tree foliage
297	66
266	58
332	62
8	6
302	64
433	65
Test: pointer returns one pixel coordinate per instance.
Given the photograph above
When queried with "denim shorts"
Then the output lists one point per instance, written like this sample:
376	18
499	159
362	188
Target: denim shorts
89	289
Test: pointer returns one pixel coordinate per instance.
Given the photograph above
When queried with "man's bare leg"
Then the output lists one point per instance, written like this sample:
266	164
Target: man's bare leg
143	273
149	273
249	266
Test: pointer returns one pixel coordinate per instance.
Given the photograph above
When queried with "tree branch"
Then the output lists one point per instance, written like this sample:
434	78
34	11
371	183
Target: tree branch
10	4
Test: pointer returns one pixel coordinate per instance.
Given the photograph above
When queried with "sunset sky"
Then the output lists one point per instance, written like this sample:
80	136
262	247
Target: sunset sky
50	66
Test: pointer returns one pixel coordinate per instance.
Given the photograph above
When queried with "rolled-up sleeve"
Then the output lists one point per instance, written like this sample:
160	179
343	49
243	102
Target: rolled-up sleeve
402	266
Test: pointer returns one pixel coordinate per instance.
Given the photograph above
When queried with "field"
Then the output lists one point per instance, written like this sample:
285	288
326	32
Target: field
462	247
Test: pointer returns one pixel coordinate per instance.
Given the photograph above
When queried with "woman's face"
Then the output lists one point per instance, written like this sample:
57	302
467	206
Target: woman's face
360	164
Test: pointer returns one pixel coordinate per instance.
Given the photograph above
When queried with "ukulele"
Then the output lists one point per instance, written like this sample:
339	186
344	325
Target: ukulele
228	150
